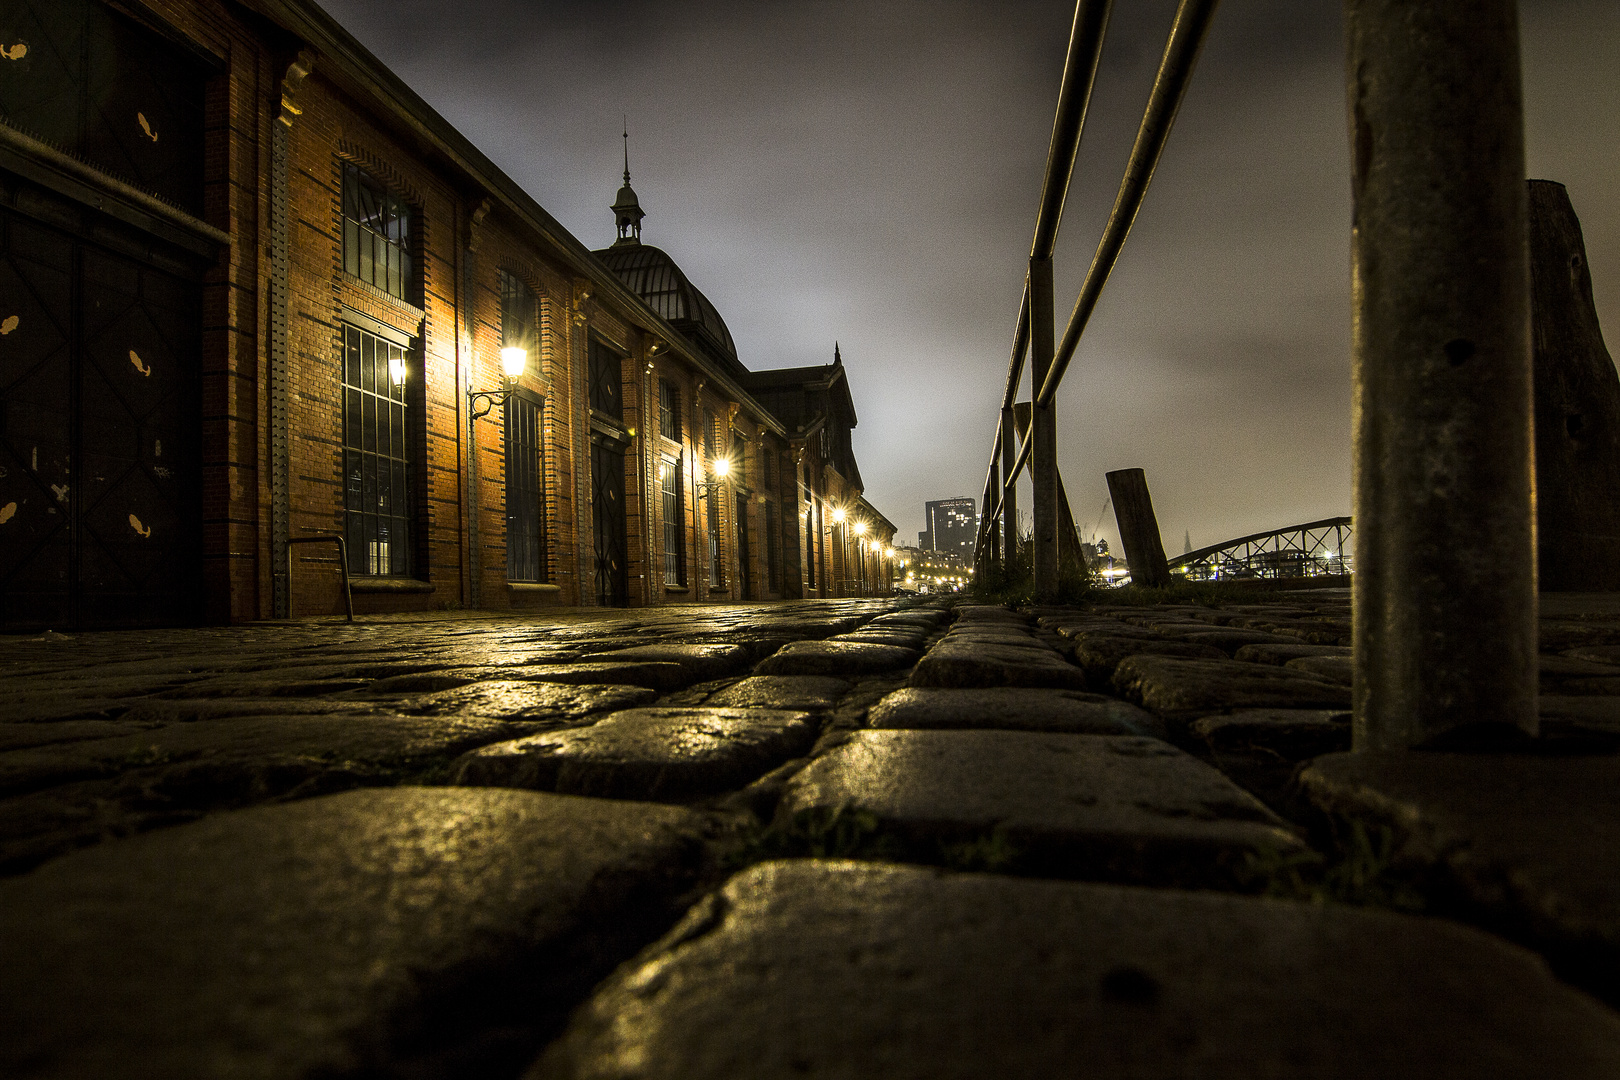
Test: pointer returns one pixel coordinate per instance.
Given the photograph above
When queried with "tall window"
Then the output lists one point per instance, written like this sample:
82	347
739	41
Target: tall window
606	390
669	411
717	566
376	234
669	480
377	455
525	446
767	467
773	547
739	460
525	491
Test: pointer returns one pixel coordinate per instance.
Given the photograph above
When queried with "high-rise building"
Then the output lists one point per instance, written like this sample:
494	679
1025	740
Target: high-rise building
952	527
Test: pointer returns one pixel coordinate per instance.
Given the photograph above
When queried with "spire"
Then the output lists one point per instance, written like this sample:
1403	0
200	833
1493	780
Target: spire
837	357
627	212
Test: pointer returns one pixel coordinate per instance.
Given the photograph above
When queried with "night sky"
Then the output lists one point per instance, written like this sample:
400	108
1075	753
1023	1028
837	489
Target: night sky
867	172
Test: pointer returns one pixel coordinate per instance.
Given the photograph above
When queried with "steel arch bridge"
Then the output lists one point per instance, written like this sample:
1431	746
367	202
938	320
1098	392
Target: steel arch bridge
1314	549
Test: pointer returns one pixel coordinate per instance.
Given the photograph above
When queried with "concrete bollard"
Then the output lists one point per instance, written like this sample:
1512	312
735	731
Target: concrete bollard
1138	528
1577	407
1445	593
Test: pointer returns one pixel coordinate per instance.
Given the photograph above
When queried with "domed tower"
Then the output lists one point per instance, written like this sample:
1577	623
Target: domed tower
627	212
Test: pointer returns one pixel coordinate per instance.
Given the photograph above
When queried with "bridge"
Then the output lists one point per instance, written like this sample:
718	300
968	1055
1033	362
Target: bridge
1314	549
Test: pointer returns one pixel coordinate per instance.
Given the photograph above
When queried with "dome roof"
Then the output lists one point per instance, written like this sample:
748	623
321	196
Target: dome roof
653	275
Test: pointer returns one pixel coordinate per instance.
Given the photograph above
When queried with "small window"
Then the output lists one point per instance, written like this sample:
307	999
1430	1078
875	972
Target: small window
607	396
669	411
376	234
519	317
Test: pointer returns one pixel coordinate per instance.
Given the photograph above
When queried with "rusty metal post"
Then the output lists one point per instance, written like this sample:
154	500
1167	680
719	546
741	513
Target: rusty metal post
1445	586
1043	431
1009	499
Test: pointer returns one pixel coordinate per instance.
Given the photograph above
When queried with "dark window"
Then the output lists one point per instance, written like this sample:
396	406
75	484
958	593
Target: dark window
377	456
519	317
773	547
108	90
767	468
376	234
606	392
669	480
717	566
810	544
739	460
708	433
525	491
669	411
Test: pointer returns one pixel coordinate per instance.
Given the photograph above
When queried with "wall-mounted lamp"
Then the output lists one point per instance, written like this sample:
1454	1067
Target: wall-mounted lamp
514	359
397	370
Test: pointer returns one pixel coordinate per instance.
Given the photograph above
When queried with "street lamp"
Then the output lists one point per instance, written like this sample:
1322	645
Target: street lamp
514	359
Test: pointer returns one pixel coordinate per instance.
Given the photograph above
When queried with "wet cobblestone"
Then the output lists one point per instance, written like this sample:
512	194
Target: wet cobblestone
1184	748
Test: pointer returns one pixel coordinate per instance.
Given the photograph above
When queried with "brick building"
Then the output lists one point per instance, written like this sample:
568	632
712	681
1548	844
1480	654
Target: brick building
258	295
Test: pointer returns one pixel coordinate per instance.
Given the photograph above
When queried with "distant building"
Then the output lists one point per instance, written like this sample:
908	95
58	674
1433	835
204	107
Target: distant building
952	527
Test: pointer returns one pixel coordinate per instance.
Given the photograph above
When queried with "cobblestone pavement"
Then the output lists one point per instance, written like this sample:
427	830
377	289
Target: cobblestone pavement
836	839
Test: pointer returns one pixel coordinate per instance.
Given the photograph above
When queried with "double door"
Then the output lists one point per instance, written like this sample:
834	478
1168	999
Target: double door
99	450
608	526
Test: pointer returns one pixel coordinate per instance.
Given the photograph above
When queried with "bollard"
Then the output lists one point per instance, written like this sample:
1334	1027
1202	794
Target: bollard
1138	528
1577	407
1445	595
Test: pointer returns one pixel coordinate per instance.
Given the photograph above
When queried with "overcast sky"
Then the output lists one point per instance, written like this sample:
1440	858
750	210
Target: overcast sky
867	172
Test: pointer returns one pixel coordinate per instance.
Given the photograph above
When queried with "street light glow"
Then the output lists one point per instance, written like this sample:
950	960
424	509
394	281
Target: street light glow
514	358
722	466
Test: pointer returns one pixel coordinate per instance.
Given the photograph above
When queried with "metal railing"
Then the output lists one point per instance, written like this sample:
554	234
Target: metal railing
1445	593
1034	328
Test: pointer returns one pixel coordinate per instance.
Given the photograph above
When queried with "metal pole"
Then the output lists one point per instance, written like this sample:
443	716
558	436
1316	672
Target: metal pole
1009	494
1043	431
1445	587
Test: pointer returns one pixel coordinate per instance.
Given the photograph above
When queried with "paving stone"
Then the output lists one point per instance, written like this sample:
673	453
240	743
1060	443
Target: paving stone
216	759
1600	713
1565	667
1529	839
1293	734
1108	628
153	712
1594	687
1600	654
1339	669
974	664
1174	684
379	932
655	675
658	754
1098	654
986	613
1282	653
527	702
838	659
1227	640
1013	709
21	736
884	637
808	692
702	661
855	970
1120	808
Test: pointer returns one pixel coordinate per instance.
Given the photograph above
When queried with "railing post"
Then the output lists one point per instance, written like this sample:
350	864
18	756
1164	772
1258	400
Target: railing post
1043	430
1445	587
1009	501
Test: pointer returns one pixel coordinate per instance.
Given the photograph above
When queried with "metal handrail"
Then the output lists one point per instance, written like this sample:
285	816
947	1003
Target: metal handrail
1079	76
343	567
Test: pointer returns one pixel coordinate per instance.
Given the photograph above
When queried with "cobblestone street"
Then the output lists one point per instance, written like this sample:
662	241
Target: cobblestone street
835	838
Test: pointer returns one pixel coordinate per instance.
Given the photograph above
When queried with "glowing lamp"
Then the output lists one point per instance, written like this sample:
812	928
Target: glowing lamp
722	467
513	360
396	370
838	516
860	528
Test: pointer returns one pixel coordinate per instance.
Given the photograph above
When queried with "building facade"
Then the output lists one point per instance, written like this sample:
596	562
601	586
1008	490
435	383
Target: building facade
953	527
259	298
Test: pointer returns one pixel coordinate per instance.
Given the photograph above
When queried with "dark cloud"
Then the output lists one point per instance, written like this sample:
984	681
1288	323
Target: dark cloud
867	172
